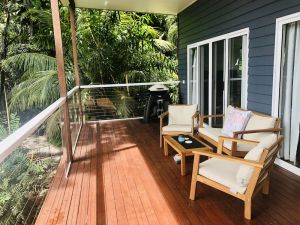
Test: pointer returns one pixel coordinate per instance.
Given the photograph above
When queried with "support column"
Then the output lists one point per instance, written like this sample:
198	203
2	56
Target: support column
74	45
62	80
75	55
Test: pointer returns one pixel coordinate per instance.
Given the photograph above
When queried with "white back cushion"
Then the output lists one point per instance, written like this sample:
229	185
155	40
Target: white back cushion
245	172
181	114
257	122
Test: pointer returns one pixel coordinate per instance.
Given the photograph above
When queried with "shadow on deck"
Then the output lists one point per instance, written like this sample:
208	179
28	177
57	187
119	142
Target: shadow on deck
120	176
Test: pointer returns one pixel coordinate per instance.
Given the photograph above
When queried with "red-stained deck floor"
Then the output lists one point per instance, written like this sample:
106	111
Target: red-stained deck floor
120	176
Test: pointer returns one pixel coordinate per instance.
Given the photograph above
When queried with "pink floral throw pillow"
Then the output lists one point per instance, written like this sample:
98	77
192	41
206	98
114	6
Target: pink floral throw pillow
236	120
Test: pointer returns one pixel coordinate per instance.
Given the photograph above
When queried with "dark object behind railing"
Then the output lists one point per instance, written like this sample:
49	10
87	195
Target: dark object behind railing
157	102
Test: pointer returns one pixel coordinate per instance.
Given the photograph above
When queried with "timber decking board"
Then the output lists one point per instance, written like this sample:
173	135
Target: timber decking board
120	176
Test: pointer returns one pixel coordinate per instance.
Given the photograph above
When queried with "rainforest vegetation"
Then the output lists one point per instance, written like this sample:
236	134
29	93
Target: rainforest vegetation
113	47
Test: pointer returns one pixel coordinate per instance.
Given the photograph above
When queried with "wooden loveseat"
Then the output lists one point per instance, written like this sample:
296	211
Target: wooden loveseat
258	125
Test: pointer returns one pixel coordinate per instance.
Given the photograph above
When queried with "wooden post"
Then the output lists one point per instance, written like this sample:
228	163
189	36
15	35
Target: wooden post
62	79
75	55
74	45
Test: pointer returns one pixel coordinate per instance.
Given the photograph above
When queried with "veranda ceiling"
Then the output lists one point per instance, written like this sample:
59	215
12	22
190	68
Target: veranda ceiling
149	6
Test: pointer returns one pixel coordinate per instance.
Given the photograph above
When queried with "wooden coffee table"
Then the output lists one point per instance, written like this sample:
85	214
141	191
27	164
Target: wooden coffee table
184	149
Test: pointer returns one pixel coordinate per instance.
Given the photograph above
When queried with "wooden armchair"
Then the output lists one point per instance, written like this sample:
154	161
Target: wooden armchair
183	119
241	178
258	125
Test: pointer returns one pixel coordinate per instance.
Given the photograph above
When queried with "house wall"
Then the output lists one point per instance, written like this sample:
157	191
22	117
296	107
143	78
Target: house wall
210	18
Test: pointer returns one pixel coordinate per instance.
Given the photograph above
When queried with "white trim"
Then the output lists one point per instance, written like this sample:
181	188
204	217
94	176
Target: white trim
71	92
210	84
280	22
188	75
246	69
126	85
226	79
9	144
234	34
293	169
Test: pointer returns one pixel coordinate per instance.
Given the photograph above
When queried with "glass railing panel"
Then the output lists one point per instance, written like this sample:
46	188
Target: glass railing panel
27	173
107	103
74	103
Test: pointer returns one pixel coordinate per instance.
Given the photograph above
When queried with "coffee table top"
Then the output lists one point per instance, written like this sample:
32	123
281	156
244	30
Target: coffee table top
185	147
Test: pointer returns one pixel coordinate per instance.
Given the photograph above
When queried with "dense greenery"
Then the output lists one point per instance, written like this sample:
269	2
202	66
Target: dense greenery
113	47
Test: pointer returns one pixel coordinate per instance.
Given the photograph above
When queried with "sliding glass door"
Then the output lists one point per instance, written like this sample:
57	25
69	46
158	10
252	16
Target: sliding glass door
289	107
218	74
204	79
221	74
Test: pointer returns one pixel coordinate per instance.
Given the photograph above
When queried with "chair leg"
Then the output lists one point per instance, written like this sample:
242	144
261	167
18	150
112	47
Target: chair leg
266	186
161	140
247	210
194	177
193	188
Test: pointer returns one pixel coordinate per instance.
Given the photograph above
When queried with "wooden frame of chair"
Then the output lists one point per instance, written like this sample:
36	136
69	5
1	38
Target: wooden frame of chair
233	151
163	115
259	180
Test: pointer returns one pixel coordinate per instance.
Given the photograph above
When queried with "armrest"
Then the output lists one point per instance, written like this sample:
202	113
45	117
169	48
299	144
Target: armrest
234	143
217	115
163	115
257	131
229	158
196	115
208	116
237	140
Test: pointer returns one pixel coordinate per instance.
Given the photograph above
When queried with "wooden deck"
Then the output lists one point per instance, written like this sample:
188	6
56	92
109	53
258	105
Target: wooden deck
121	177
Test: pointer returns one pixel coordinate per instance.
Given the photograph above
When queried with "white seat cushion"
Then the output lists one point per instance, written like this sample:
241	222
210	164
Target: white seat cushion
241	147
181	114
175	127
211	132
245	172
222	172
214	134
257	122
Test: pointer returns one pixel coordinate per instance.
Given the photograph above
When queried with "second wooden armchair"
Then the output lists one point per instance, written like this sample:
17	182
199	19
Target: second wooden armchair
183	119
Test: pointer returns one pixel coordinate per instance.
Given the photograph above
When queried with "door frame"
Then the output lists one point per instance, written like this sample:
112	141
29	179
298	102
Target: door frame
280	22
210	41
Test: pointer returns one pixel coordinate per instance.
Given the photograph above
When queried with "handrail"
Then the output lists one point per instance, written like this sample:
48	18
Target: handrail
8	145
71	92
126	85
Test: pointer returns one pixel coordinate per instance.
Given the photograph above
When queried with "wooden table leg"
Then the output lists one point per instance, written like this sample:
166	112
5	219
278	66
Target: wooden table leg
166	148
183	170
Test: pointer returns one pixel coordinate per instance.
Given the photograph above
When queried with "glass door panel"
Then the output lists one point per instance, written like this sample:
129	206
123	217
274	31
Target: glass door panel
193	79
289	99
236	71
204	80
218	70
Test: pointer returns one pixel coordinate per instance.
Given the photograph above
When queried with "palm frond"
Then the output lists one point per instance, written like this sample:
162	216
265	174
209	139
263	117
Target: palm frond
38	90
164	45
30	62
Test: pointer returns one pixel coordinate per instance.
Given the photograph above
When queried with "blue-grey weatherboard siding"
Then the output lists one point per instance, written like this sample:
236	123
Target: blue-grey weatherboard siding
210	18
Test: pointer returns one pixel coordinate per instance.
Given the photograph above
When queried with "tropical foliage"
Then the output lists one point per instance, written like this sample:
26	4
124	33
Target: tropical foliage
113	47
